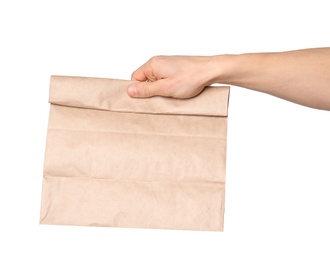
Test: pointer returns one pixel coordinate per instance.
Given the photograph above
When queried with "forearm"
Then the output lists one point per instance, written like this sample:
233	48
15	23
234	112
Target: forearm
299	76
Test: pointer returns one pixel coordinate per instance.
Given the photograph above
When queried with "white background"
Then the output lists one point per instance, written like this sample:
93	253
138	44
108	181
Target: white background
278	189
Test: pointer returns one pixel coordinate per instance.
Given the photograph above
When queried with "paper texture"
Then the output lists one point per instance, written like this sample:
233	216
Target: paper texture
112	160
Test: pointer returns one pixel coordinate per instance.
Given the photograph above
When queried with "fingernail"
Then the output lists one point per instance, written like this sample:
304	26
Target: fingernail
132	91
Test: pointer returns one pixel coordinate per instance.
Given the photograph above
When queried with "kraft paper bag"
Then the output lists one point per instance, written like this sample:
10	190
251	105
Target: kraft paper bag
115	161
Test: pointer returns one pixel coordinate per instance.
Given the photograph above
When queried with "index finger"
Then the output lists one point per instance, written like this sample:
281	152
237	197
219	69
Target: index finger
139	74
145	72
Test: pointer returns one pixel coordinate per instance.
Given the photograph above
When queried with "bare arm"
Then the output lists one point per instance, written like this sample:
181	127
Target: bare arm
301	76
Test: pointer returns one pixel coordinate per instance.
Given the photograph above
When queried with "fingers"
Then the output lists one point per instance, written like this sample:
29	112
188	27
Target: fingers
147	71
139	74
143	73
147	89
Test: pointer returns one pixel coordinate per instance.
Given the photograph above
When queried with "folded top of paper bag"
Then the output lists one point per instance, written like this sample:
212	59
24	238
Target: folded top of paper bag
110	94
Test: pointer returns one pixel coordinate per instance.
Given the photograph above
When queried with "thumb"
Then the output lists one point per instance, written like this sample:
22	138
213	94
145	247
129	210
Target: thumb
146	89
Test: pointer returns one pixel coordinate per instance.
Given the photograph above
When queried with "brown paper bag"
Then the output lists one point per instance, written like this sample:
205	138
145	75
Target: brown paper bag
112	160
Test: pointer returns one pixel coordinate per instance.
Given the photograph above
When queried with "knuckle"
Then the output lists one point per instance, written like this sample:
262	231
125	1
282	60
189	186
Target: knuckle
156	60
146	89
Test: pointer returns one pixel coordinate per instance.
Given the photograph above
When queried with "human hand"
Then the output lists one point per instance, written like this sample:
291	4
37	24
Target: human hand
172	76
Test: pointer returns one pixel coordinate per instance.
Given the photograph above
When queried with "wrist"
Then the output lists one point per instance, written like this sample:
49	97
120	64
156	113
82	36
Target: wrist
240	69
223	68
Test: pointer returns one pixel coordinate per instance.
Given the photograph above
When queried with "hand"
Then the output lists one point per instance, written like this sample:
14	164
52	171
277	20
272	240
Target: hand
172	76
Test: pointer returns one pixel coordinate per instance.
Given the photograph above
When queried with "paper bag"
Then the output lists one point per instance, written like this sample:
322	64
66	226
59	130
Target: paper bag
115	161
